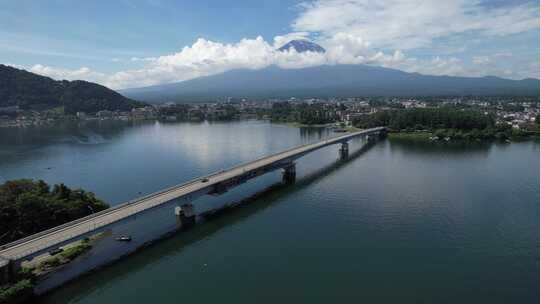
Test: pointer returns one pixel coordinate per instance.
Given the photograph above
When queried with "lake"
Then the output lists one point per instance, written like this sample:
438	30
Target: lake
399	222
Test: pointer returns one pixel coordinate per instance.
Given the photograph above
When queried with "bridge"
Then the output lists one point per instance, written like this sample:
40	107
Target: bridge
12	254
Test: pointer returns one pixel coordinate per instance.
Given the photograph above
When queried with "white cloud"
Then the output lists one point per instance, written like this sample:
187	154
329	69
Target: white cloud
280	41
407	24
495	65
436	66
481	60
57	73
143	59
353	32
206	57
496	58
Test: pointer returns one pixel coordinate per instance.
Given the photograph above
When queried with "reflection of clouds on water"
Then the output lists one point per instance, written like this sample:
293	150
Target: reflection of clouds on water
209	144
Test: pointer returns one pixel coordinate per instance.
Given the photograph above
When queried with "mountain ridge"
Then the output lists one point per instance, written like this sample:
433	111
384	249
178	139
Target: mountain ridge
329	81
31	91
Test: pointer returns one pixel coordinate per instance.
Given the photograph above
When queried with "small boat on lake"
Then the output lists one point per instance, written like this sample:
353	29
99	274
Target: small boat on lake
125	238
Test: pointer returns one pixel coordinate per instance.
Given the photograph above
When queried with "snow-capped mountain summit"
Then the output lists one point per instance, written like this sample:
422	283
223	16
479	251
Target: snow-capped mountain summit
302	46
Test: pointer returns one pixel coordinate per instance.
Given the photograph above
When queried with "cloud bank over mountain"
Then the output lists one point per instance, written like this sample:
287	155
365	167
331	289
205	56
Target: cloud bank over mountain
381	33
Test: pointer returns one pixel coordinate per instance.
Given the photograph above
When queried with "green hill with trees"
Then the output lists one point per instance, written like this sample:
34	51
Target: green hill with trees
28	207
30	91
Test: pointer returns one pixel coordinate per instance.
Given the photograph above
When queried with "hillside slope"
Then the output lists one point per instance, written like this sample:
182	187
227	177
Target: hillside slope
328	81
31	91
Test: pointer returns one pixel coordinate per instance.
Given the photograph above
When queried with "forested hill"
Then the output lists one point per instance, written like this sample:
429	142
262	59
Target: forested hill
34	92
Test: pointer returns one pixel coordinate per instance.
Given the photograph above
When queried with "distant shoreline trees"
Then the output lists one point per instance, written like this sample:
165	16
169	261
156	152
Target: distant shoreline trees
442	122
306	114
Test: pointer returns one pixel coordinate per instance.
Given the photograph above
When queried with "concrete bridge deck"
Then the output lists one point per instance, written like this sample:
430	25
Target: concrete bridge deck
218	182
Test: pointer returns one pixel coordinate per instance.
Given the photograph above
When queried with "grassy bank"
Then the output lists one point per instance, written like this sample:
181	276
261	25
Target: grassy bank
66	256
19	292
40	266
23	290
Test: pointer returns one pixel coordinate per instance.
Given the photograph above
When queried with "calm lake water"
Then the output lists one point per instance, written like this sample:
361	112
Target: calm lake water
397	223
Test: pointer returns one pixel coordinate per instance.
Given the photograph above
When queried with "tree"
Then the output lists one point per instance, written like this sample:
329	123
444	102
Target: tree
28	207
430	118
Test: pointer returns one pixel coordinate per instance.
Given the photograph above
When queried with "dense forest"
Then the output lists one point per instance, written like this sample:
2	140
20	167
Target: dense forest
30	91
445	121
431	118
28	207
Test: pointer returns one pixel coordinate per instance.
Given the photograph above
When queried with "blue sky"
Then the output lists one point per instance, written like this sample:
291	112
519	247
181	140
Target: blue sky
90	33
132	43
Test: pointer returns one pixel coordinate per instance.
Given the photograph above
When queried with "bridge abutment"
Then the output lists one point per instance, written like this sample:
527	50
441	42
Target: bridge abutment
8	271
383	134
5	271
289	174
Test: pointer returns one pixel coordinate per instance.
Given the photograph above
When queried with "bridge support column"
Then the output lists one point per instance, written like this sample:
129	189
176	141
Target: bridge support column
185	214
5	271
344	150
383	134
289	174
219	189
8	271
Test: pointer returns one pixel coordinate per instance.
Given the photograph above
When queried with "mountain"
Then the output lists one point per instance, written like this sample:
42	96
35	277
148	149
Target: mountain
329	81
34	92
302	46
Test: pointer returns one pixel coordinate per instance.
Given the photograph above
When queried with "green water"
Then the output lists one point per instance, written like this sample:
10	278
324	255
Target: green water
397	223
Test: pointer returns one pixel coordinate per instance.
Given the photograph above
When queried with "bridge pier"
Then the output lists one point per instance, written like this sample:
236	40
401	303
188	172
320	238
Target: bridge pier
219	189
289	174
5	271
185	214
383	134
344	150
8	271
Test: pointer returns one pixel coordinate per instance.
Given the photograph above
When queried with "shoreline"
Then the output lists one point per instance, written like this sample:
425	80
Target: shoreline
321	126
429	137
